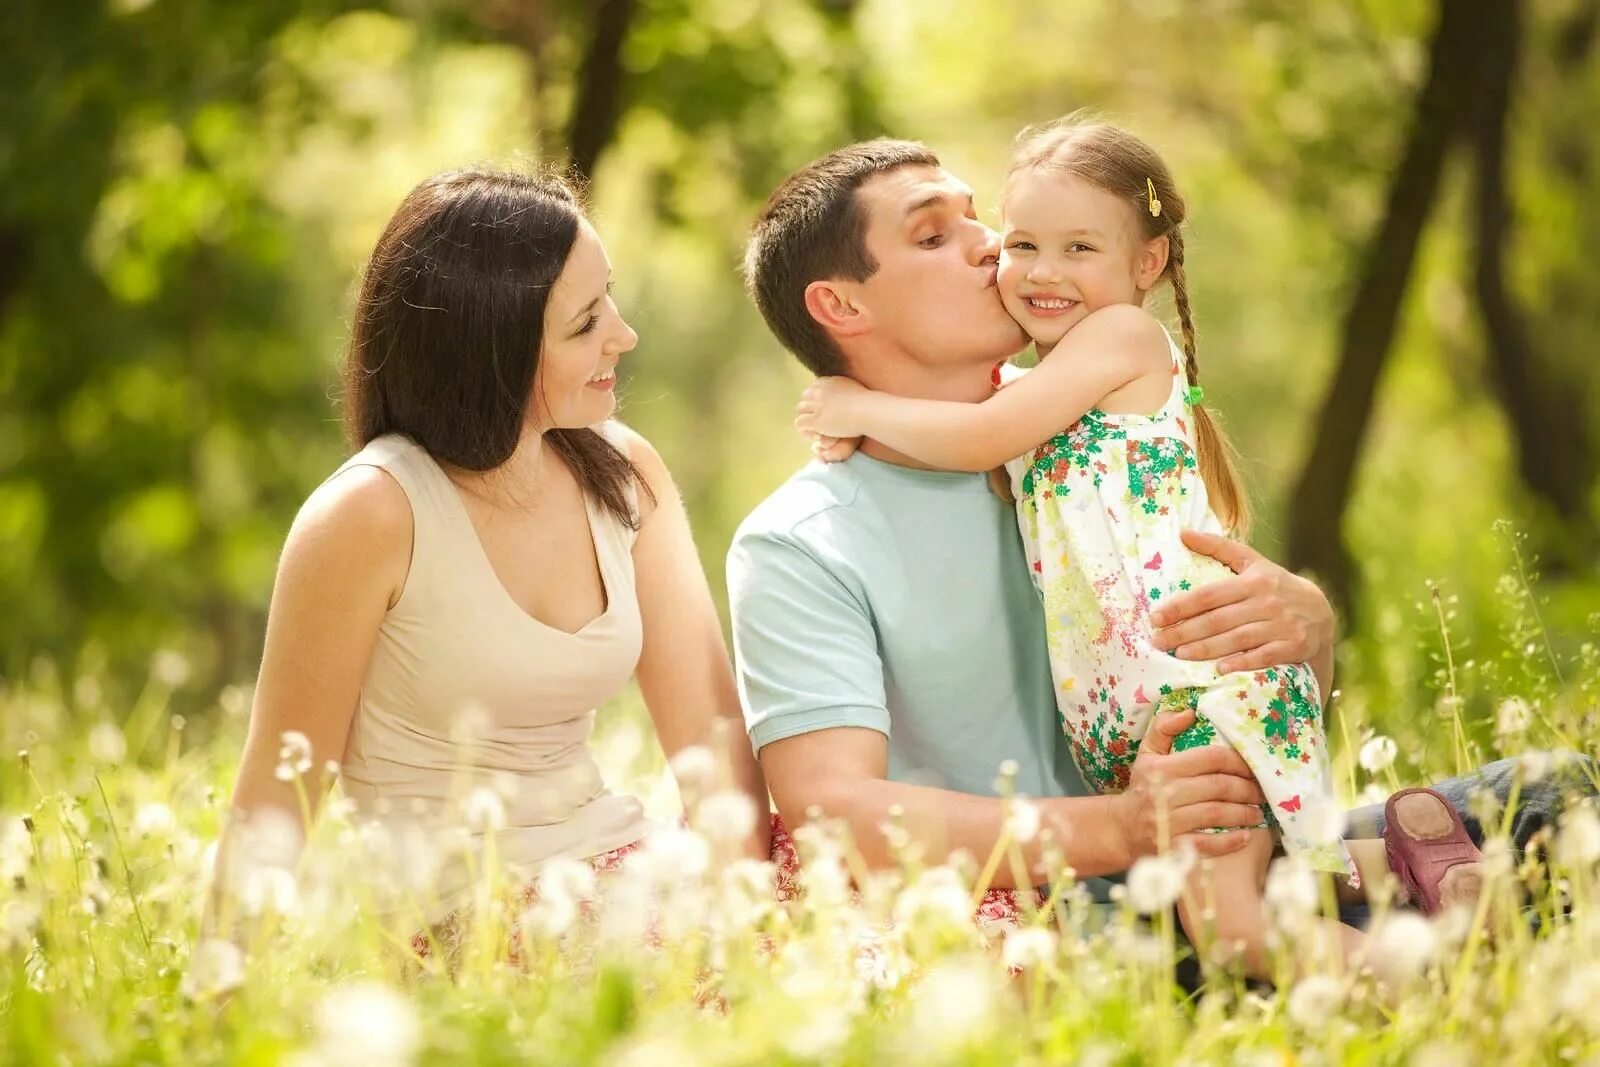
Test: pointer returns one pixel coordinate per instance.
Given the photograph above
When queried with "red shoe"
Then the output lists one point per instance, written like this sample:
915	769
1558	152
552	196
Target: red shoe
1430	851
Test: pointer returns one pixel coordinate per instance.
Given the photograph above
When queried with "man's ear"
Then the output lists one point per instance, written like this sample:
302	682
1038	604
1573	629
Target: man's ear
1153	261
837	308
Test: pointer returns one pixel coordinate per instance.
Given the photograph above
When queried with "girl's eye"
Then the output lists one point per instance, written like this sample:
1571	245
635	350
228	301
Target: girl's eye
1021	246
588	326
1079	246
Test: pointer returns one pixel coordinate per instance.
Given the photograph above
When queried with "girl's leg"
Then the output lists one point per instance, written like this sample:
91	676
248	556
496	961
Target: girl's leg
1222	906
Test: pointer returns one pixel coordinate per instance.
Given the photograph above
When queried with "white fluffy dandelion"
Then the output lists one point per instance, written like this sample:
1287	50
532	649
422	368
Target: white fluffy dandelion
367	1024
215	967
484	811
1578	844
107	744
1029	946
1378	754
725	816
1154	883
1314	1000
294	755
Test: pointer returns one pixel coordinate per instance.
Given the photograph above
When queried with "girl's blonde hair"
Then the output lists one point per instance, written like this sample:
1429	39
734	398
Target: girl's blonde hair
1120	163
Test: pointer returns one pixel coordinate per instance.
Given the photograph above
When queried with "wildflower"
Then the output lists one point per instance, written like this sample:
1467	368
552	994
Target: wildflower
1028	946
484	811
1535	765
1377	755
1154	883
953	1005
1403	943
694	766
106	743
675	853
215	967
170	668
1291	890
1022	820
294	756
937	896
19	920
153	820
16	850
1579	842
1579	988
367	1023
725	816
264	889
1314	999
1512	717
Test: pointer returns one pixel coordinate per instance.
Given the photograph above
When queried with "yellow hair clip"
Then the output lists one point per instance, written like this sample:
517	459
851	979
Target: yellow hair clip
1155	205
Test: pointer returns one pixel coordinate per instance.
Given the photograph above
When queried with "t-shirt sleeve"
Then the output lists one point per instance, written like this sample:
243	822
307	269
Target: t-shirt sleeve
804	644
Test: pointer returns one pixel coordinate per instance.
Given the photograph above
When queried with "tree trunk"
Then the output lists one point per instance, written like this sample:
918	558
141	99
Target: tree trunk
598	105
1552	435
1316	541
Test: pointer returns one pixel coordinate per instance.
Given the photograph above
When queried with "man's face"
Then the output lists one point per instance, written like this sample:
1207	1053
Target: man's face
933	294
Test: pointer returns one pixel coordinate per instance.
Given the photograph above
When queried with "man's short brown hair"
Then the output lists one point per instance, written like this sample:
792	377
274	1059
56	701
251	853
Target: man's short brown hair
813	228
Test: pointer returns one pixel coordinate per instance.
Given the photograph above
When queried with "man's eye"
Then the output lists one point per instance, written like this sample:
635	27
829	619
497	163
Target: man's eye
932	242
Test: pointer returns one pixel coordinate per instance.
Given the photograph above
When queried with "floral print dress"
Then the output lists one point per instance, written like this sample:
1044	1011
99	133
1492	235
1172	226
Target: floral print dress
1101	507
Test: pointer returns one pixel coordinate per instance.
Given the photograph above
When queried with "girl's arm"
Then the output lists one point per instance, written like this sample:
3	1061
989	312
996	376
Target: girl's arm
1107	350
684	671
343	565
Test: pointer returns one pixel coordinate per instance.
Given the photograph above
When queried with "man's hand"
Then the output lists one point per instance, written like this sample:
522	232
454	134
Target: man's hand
1170	797
1261	617
830	408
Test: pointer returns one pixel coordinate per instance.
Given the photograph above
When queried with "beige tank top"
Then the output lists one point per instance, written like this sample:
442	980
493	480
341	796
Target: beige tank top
468	692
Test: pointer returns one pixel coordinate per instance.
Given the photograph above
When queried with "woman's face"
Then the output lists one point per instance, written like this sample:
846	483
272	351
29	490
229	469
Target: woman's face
584	337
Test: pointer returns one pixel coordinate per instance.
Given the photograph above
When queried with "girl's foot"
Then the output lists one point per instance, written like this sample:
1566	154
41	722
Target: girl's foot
1430	851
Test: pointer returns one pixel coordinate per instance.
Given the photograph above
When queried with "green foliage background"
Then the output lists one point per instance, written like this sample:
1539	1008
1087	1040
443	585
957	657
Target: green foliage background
188	190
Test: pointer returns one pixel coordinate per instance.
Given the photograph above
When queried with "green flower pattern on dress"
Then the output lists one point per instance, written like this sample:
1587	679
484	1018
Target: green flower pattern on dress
1101	506
1079	447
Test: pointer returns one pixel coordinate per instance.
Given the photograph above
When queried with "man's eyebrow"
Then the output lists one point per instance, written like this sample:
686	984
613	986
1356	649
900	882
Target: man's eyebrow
935	200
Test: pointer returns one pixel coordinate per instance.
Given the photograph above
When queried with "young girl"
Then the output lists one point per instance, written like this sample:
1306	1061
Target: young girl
1091	226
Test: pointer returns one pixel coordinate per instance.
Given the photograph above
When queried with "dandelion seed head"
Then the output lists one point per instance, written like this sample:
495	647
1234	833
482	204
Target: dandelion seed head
154	820
1403	943
726	816
107	745
1029	946
483	810
1023	819
294	754
1578	844
1378	754
953	1004
170	667
367	1023
694	766
1314	1000
1154	883
215	967
1291	890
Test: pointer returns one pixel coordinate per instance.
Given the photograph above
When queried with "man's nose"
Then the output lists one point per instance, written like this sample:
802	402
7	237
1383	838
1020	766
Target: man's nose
987	249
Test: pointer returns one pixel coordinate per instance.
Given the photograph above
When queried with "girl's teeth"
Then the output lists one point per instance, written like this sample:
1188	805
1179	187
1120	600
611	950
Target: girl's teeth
1054	305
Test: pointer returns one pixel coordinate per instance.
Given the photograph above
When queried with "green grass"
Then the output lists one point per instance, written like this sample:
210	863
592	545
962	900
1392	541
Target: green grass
108	831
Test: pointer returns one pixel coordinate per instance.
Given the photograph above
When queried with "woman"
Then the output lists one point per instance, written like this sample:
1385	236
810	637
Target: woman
496	560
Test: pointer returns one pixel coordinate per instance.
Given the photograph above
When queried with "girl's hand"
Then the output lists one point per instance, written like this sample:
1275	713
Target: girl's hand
830	408
834	449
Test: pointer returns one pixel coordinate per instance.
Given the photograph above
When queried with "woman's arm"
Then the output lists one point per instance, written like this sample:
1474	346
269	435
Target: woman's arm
684	671
1107	350
343	565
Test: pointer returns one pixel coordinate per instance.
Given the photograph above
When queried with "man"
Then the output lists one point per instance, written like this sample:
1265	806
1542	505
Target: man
889	643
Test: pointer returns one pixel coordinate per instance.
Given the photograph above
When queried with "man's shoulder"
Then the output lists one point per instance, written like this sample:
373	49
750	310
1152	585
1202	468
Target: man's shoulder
790	512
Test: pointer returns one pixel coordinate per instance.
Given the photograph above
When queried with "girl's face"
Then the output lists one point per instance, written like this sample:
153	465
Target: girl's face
1070	248
584	338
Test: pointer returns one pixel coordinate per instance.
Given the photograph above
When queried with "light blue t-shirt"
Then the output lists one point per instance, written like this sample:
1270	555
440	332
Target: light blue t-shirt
868	594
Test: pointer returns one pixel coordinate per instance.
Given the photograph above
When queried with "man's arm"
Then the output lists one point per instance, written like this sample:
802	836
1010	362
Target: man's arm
812	687
1262	616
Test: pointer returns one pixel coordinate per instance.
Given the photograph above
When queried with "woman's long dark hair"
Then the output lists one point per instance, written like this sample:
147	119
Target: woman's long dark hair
450	322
